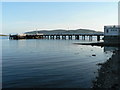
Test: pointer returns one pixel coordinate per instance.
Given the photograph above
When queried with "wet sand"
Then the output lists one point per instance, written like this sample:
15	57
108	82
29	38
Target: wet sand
108	74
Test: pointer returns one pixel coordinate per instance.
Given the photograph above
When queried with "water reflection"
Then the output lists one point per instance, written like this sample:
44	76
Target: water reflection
49	63
106	49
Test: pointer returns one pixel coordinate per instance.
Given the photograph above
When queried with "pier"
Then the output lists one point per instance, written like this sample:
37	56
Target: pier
64	36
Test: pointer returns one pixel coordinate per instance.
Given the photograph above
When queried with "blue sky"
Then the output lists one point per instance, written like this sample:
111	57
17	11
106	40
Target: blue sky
19	17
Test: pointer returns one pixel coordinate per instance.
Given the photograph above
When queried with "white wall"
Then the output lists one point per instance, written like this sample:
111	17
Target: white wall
111	31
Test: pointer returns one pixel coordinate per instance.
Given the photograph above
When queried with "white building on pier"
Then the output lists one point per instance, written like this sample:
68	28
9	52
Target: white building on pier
112	34
113	30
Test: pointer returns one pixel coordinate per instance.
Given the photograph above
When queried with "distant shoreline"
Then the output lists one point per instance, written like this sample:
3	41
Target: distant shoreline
3	35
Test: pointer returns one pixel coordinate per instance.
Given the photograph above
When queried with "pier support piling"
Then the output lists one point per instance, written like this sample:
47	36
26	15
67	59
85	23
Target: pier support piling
98	37
83	37
90	38
57	36
52	37
63	36
70	37
77	37
41	36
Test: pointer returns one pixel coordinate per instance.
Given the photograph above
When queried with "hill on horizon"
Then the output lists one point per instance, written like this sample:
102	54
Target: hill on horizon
63	31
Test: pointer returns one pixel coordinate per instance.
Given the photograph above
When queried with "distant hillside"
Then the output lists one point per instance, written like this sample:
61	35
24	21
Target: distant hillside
63	31
3	35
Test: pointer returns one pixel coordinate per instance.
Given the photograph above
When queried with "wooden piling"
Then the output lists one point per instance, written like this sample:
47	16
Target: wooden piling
83	37
70	37
63	36
90	38
77	37
57	36
98	37
51	36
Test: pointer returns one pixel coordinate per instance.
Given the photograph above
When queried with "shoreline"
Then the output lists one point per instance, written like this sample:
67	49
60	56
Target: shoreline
4	35
108	74
100	44
109	71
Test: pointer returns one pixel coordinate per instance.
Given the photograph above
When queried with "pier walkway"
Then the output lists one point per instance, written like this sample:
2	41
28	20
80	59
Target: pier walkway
57	36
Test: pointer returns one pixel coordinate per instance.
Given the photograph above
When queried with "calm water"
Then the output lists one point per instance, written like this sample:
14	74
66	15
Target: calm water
49	63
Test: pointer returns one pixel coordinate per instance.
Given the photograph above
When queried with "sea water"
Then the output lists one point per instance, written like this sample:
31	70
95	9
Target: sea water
37	63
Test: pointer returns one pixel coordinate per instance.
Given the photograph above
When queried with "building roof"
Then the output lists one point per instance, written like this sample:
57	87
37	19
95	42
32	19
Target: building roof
111	26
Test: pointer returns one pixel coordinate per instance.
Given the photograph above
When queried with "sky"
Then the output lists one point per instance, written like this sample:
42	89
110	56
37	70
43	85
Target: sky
20	17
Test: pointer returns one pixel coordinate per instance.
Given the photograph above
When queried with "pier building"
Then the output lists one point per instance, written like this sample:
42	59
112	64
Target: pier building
112	34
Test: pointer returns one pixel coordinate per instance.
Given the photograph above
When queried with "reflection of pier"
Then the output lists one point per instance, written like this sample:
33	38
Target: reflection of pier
58	36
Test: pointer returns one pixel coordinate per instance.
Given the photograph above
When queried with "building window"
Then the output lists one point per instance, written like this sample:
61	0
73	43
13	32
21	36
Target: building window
107	30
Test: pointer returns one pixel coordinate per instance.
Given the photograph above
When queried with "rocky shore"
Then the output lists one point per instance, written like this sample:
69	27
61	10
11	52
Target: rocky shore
100	44
109	73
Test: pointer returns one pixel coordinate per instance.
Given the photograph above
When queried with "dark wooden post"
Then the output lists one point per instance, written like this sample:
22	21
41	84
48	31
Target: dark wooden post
70	37
51	36
63	36
57	36
77	37
90	37
83	37
10	36
98	37
47	36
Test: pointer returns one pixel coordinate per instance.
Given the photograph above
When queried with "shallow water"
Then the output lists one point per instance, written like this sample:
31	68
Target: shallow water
49	63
